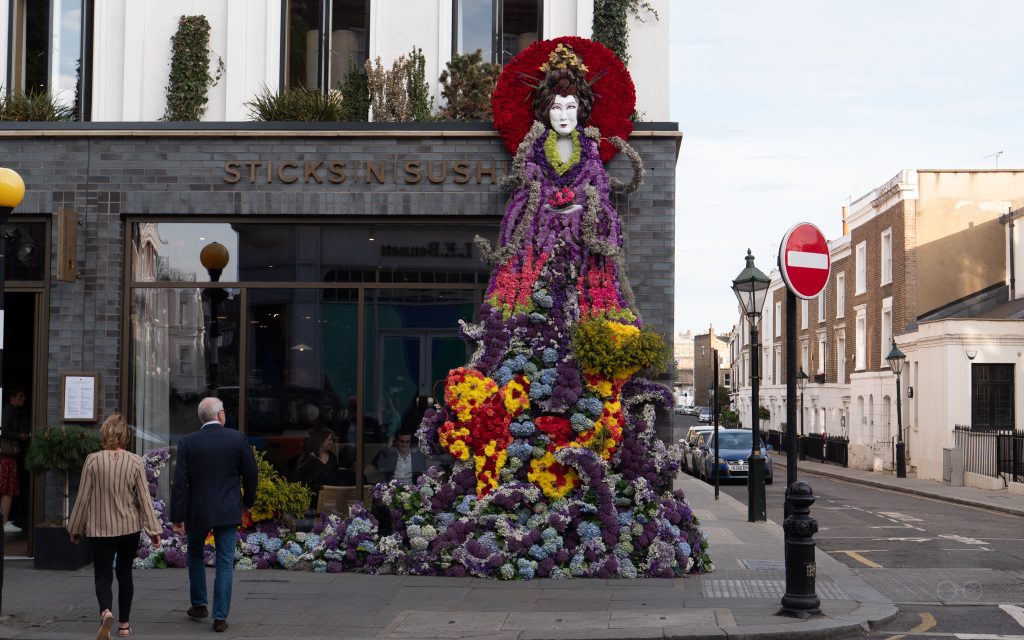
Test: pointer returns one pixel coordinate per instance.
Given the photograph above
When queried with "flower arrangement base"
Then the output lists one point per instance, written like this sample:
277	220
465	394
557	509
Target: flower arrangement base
52	549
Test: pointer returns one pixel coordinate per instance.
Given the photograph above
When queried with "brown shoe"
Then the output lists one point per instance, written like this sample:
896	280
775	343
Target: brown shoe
197	612
220	625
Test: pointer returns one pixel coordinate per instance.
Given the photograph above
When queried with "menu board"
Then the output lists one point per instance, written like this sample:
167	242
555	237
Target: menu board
79	396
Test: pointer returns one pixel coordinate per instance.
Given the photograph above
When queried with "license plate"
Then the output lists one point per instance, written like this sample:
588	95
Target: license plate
737	467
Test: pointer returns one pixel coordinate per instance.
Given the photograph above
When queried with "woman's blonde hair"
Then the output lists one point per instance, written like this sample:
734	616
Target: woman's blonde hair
115	432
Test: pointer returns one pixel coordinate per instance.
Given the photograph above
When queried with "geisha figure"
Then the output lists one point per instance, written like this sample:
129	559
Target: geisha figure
558	471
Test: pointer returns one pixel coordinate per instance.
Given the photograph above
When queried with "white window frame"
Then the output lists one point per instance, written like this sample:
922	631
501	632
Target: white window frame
803	313
822	345
821	306
805	355
778	364
886	333
861	336
841	294
886	256
778	319
861	277
841	356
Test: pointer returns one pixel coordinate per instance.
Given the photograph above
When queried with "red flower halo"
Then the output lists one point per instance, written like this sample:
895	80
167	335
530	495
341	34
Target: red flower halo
614	94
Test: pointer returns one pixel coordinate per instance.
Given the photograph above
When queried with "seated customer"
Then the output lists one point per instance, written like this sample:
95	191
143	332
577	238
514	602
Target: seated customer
318	464
402	462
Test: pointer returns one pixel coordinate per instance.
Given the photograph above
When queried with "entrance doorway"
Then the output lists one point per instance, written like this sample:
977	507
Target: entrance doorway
19	368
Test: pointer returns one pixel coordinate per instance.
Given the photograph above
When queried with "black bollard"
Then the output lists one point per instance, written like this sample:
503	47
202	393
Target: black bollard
800	600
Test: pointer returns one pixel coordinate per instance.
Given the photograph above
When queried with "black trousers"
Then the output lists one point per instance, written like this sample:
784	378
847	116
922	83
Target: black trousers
104	553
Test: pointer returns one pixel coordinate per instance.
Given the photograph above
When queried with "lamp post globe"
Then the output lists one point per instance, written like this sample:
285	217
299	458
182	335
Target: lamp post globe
896	358
751	289
801	384
214	257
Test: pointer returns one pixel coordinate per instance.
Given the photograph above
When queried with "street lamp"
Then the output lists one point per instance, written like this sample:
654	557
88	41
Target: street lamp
801	384
751	289
895	360
12	191
713	394
214	257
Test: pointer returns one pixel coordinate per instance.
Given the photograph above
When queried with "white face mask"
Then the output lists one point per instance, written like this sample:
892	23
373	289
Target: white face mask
563	114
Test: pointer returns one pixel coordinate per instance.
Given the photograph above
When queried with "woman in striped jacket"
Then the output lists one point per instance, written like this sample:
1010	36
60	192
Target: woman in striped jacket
112	507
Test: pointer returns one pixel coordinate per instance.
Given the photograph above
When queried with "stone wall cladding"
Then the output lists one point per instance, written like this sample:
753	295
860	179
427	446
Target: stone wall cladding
106	177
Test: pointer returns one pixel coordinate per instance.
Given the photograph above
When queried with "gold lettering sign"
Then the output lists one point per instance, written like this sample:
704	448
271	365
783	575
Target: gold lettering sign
400	171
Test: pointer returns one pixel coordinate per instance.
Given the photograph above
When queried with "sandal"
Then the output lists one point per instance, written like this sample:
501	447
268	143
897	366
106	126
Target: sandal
124	632
106	621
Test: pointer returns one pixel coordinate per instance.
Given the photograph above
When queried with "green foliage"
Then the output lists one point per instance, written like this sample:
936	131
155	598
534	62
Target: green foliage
34	106
190	77
763	413
275	495
298	104
610	23
420	102
729	418
599	348
62	449
355	95
467	85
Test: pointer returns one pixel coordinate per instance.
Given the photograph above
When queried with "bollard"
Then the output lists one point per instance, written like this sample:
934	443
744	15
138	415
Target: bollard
800	600
2	559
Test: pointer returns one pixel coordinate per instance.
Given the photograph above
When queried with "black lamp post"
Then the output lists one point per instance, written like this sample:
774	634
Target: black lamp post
801	384
12	191
713	394
896	360
751	289
214	257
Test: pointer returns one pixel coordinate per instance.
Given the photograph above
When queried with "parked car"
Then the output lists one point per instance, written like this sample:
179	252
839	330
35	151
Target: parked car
690	443
733	454
680	410
705	415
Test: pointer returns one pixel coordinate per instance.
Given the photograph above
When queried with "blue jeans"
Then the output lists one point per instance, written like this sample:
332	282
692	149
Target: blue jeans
224	542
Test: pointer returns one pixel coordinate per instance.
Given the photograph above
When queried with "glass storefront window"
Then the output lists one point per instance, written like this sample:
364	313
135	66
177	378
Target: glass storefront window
511	25
169	252
24	251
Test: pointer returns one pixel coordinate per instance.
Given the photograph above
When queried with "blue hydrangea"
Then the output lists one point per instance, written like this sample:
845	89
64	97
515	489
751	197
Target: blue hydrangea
623	549
417	519
522	428
444	519
530	370
685	548
625	517
535	521
550	355
590	405
357	527
311	541
581	423
465	505
627	569
294	548
256	539
538	552
549	534
369	546
520	449
547	376
586	507
319	566
558	574
540	391
503	375
272	544
588	531
578	565
526	568
542	299
516	363
641	518
538	318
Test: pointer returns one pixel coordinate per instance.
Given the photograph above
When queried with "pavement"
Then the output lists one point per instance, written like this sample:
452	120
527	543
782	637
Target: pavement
739	600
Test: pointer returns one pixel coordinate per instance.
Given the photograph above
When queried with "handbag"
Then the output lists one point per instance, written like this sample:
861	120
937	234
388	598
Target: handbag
9	447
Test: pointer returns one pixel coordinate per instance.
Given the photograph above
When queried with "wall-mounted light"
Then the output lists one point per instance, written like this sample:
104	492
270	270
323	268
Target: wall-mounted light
910	392
971	353
370	235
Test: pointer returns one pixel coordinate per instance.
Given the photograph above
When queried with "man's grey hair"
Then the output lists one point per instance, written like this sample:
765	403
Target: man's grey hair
209	408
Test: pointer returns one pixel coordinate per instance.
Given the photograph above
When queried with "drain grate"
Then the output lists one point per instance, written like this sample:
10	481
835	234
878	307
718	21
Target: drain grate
764	565
764	589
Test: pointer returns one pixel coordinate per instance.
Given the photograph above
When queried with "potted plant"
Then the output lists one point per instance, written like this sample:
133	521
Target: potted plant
61	450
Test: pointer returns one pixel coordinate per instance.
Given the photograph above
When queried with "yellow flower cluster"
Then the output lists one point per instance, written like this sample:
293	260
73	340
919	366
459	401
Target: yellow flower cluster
516	396
454	441
488	467
552	478
469	393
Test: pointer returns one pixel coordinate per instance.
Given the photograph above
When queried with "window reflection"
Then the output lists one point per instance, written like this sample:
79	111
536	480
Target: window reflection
475	27
24	251
311	56
517	26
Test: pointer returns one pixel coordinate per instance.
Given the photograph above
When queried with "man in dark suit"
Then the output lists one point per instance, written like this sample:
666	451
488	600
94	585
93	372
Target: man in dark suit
215	475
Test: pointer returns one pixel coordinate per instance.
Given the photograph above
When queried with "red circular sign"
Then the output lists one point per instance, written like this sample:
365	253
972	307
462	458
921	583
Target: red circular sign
804	260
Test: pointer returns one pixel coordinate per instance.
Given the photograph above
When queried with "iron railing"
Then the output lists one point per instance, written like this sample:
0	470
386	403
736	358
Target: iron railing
991	453
817	446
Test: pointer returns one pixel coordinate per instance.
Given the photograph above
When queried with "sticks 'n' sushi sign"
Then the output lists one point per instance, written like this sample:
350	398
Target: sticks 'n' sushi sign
400	171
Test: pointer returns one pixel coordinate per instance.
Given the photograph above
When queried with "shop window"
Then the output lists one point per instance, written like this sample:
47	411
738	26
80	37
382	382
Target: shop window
499	28
24	245
992	396
322	40
46	52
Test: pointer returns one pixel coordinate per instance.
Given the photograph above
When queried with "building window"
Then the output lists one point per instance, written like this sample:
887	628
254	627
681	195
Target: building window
184	361
860	360
778	319
992	396
821	306
821	355
860	285
804	356
778	365
803	314
183	298
840	295
46	51
499	28
887	256
840	357
886	344
318	56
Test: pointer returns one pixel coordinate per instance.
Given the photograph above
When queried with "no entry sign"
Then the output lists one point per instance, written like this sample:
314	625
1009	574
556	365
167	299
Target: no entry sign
804	260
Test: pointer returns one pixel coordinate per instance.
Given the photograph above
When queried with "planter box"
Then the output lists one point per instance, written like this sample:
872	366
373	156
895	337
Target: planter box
52	549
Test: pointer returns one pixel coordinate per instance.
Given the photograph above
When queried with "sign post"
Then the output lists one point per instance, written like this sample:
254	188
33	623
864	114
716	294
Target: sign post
805	264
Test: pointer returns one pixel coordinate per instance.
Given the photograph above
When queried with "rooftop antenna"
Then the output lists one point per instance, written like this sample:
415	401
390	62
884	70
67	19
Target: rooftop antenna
996	156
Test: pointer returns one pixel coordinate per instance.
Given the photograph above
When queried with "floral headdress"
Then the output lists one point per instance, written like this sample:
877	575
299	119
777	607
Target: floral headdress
564	57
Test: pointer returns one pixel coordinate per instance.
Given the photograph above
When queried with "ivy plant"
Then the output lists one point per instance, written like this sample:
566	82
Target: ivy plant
611	23
190	77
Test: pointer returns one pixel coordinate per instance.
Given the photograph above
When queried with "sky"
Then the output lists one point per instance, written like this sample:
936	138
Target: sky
791	108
